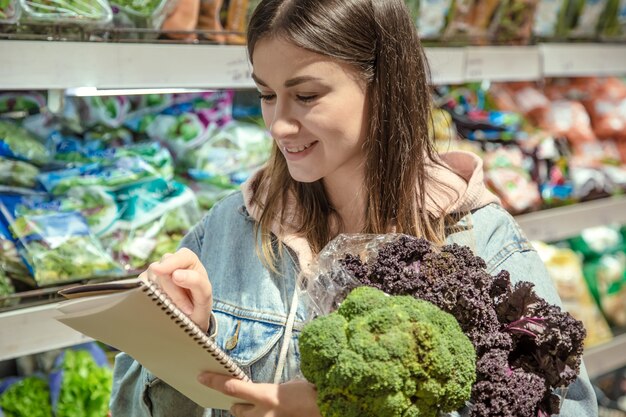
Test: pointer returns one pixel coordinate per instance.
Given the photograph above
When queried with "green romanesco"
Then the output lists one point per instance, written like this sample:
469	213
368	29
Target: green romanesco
392	356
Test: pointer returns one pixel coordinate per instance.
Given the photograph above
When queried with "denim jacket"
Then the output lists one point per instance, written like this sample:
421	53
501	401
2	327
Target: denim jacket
251	305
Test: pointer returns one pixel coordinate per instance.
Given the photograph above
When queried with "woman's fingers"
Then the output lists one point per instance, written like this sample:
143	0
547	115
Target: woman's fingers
183	259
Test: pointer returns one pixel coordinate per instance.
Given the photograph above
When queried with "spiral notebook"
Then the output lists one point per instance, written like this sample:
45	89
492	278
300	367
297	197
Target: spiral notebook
136	317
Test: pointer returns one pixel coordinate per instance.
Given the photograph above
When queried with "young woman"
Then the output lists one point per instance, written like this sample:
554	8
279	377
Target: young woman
344	92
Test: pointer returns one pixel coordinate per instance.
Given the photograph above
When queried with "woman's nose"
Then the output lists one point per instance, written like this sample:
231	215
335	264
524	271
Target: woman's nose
284	123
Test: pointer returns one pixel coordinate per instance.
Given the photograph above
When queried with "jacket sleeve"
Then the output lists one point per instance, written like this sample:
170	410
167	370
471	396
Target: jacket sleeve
505	247
138	393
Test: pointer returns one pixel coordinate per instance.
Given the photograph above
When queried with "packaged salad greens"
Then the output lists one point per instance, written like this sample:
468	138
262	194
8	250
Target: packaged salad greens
229	156
56	246
548	16
431	18
143	14
514	22
83	12
584	17
24	103
613	20
6	289
11	262
9	11
17	143
124	166
153	219
188	123
18	173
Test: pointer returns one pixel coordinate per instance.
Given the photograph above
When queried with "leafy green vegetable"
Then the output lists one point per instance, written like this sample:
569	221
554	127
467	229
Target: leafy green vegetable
143	7
20	144
18	173
60	248
6	288
392	356
27	397
86	387
7	8
78	9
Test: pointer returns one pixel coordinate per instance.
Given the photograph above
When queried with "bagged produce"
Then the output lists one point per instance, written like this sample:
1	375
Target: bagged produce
84	12
471	19
81	382
20	397
514	22
548	16
431	17
9	11
585	17
56	246
507	176
117	168
17	143
153	219
604	251
10	260
188	123
18	173
6	289
230	155
208	193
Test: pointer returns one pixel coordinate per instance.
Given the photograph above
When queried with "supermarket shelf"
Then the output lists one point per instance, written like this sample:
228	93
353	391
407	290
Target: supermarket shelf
564	222
63	65
33	330
583	59
607	357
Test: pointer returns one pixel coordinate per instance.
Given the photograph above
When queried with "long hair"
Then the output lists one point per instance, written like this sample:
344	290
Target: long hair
379	40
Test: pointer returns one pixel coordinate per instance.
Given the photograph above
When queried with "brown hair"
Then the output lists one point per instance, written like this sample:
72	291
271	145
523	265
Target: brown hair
379	40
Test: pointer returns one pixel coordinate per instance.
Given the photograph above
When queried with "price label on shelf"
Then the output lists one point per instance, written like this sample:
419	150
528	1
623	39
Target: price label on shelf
502	63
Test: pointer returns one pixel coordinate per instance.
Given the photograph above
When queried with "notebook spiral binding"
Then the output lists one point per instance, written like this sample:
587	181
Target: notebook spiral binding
153	290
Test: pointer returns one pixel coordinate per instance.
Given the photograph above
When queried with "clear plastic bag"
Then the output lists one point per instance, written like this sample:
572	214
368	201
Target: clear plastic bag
84	12
146	14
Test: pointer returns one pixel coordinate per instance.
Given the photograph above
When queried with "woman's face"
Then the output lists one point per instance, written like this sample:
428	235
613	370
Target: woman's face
314	108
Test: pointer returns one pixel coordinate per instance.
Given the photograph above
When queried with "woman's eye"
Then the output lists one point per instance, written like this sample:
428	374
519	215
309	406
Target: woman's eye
307	99
266	97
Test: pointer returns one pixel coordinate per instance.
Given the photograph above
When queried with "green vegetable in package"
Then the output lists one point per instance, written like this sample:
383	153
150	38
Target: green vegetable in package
7	11
6	288
143	7
74	10
17	143
18	173
60	248
26	397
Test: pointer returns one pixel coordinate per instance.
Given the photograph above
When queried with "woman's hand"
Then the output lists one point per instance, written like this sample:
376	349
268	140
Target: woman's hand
183	277
291	399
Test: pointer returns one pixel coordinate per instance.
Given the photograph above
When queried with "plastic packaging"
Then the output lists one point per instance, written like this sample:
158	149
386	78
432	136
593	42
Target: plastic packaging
547	17
585	16
17	143
143	14
84	12
507	176
29	396
18	173
431	17
153	219
56	246
231	155
514	21
9	11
